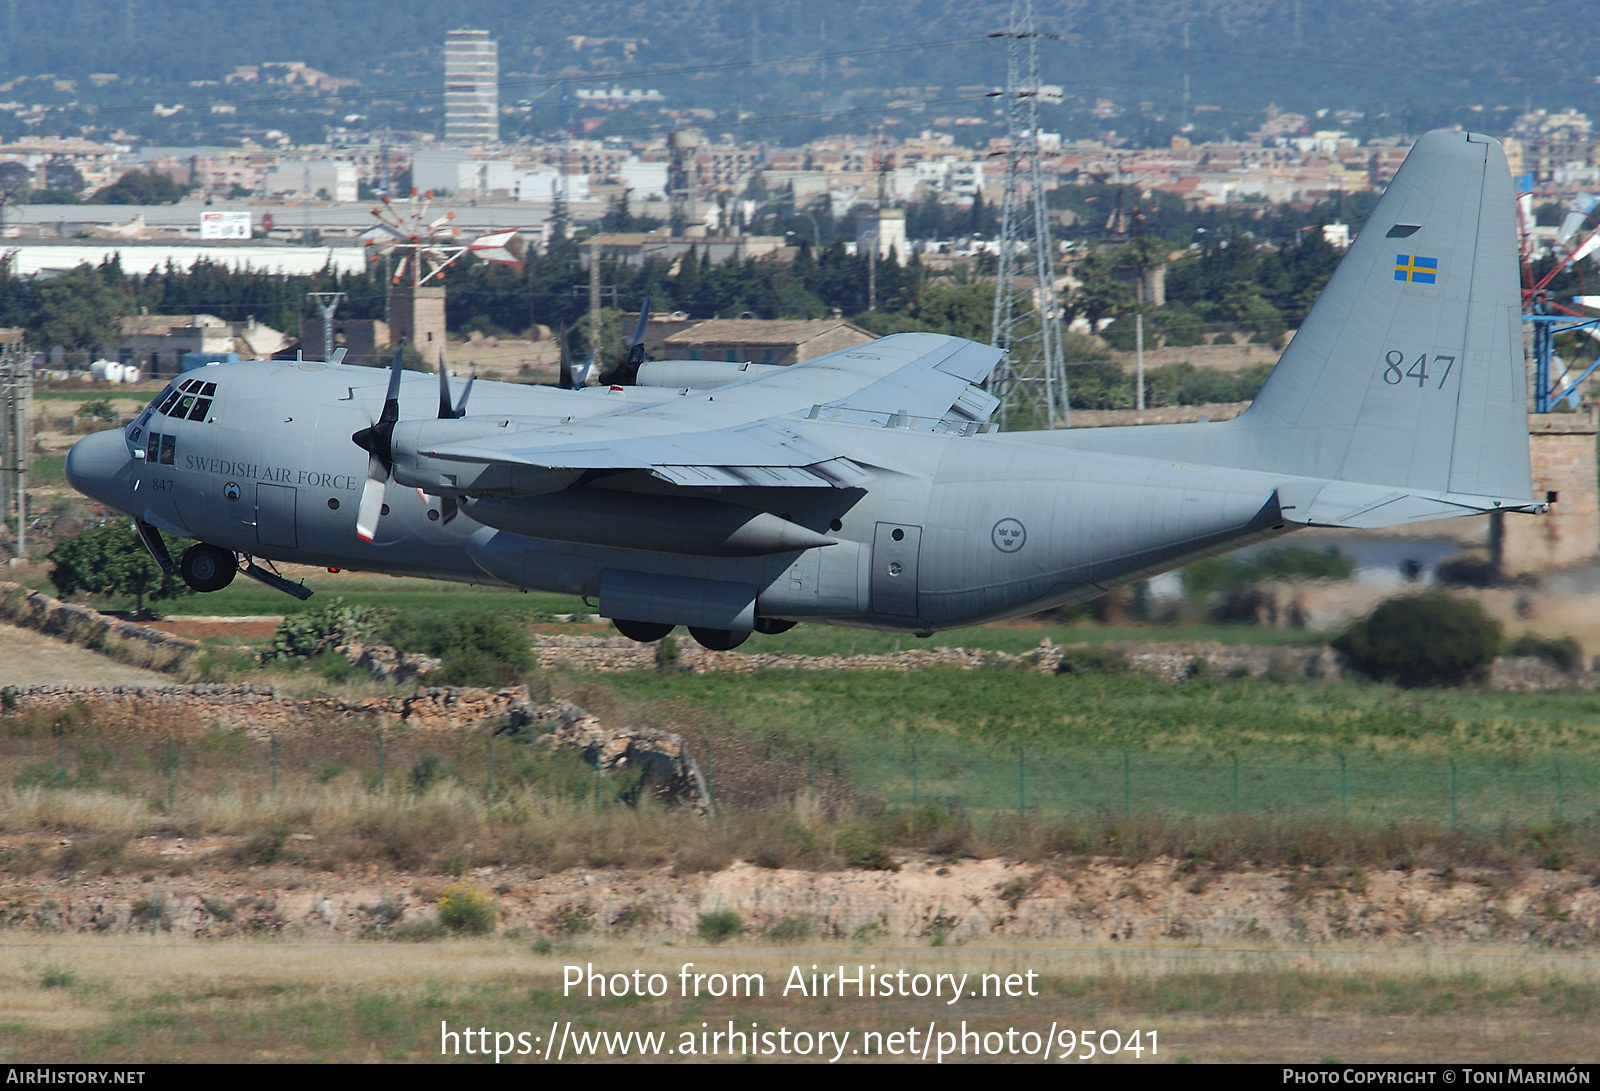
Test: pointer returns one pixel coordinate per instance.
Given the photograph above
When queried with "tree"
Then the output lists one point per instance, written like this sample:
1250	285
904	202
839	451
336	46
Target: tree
1423	640
140	188
111	560
78	309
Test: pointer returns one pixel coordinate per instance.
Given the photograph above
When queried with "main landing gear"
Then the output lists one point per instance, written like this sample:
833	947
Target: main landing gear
717	640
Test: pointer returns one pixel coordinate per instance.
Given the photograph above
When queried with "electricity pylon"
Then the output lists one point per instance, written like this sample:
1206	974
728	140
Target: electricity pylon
1031	382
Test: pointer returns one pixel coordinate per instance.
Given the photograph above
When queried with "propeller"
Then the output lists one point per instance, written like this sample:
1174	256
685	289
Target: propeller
377	440
627	372
569	379
448	508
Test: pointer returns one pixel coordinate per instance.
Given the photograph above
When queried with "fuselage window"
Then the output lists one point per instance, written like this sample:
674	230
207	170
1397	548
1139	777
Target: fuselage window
152	446
208	390
201	407
169	401
184	405
169	450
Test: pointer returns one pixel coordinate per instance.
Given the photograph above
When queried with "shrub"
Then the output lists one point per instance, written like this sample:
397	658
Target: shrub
667	653
863	847
791	930
57	977
1562	653
719	925
1093	661
465	909
1422	640
487	649
314	633
428	771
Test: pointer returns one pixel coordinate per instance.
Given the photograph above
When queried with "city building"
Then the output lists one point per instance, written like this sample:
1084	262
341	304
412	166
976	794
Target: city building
471	87
760	341
312	179
158	343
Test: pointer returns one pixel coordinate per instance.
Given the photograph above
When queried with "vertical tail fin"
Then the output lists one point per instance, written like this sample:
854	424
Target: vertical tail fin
1409	370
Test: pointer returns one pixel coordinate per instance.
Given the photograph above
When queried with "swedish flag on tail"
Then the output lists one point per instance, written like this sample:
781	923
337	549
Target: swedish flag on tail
1416	269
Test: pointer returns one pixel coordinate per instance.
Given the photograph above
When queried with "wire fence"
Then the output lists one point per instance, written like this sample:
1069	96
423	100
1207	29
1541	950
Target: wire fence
1469	789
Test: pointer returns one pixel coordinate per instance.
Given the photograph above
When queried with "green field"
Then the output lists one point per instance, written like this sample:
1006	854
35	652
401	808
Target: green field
996	741
246	597
99	393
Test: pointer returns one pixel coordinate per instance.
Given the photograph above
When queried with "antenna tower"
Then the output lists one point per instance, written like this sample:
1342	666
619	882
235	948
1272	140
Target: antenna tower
1031	382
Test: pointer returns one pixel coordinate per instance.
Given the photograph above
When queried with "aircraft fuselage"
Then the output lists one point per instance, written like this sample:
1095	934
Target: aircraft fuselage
950	530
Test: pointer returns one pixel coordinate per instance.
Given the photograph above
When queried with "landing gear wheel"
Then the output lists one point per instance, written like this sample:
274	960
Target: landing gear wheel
719	640
645	632
771	626
207	568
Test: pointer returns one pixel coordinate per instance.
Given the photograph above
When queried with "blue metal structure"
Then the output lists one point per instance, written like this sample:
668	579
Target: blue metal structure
1545	328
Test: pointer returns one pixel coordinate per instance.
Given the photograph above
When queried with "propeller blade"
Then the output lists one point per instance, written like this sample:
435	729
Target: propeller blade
377	441
448	509
391	399
636	350
461	406
446	411
371	508
588	369
565	381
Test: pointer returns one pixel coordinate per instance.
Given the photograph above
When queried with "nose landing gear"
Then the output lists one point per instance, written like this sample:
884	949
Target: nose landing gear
207	568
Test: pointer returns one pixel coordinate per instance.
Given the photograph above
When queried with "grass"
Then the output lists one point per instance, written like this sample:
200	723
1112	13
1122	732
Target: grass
168	999
47	469
1006	741
141	394
247	597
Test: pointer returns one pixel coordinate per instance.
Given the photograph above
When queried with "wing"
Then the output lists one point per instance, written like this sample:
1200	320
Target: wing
756	432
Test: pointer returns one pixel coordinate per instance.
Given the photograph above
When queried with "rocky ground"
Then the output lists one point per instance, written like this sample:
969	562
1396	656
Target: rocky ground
927	900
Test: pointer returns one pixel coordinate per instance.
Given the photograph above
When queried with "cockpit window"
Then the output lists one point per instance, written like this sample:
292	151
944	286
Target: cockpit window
189	400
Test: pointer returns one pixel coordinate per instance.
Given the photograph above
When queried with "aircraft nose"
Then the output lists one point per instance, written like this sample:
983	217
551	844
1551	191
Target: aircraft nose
100	467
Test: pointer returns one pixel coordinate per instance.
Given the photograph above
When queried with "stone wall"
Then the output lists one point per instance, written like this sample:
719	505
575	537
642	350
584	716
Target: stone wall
1563	451
36	610
1166	414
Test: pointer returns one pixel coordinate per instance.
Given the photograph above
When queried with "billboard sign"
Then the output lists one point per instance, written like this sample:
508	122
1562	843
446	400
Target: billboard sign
224	225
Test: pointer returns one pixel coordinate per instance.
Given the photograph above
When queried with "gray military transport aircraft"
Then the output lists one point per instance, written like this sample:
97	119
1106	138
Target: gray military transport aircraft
865	487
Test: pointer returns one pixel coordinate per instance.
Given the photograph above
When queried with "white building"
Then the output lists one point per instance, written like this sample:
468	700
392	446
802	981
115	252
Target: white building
471	87
544	184
448	170
313	179
886	227
645	181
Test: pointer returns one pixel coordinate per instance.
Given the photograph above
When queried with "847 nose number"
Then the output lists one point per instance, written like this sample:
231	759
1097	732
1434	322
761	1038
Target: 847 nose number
1397	371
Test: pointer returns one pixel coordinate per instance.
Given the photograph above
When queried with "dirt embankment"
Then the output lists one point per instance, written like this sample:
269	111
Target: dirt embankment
927	899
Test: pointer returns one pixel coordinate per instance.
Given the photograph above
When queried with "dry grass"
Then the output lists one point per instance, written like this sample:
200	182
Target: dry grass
164	999
17	609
